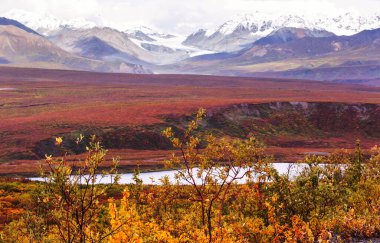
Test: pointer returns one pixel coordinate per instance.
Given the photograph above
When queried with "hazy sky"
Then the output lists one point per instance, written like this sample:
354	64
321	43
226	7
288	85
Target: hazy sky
179	15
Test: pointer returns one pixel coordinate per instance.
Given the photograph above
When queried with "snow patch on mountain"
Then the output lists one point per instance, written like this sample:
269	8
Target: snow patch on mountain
260	22
46	23
147	31
174	43
242	30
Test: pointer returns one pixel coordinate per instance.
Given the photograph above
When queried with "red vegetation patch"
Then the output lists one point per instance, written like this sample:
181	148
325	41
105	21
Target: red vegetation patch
43	103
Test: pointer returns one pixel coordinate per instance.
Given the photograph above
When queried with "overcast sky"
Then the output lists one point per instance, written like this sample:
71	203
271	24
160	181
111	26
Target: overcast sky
179	15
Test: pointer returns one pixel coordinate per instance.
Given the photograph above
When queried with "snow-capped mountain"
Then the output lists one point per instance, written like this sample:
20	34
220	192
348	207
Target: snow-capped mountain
345	24
241	30
111	45
155	50
147	44
47	24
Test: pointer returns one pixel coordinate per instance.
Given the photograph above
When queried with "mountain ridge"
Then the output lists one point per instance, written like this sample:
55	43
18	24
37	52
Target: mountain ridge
6	21
238	49
241	30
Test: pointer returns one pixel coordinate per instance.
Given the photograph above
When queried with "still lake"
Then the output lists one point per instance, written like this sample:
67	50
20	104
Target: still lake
153	178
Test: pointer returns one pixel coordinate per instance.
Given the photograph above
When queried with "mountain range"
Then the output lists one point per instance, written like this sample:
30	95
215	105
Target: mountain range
298	53
243	30
292	46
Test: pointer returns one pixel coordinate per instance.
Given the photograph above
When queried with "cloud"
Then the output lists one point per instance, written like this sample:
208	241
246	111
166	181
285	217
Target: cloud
179	16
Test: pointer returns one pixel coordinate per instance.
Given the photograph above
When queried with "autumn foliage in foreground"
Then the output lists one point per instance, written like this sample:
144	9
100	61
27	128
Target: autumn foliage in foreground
333	198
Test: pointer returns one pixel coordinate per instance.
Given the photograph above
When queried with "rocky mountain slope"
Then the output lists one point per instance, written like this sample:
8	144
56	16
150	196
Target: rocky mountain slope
111	45
21	47
5	22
